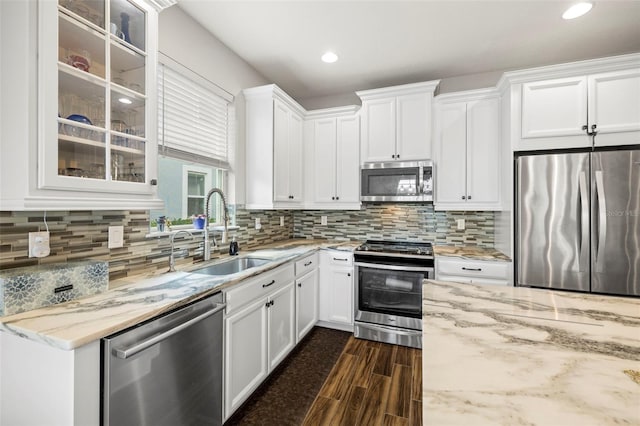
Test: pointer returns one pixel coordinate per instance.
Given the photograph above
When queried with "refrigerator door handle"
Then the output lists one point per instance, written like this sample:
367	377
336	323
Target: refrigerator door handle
583	260
602	221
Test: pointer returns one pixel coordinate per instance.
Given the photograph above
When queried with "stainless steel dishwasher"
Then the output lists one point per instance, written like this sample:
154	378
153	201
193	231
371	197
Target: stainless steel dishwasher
166	371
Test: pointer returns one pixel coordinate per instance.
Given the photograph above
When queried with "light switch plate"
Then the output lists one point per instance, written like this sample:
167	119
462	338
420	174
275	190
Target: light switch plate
323	220
461	225
281	220
258	224
116	236
39	244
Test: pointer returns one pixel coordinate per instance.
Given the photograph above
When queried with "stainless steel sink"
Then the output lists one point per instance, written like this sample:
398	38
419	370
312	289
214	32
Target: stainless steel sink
232	266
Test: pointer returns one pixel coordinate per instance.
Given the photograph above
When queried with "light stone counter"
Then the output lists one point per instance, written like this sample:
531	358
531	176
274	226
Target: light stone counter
134	300
518	356
470	252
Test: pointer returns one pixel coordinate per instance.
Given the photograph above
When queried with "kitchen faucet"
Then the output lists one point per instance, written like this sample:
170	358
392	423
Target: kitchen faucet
172	260
207	244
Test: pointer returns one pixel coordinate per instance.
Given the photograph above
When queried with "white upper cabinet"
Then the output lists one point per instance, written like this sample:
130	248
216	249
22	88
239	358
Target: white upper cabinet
468	165
332	168
614	107
287	161
554	107
565	112
83	132
274	156
396	122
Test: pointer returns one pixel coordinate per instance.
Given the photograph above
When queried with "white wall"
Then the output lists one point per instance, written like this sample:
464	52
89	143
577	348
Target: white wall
447	85
188	43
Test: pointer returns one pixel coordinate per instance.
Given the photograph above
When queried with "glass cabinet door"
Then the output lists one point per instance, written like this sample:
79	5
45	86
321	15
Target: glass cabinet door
102	100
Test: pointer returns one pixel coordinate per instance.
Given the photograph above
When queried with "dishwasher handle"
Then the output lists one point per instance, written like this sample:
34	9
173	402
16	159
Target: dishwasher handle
139	347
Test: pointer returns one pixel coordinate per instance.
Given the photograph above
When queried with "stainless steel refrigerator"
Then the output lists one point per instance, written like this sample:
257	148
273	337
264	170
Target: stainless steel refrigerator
578	221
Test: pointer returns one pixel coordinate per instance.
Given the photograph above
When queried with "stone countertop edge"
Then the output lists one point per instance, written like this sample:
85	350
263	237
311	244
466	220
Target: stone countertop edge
134	300
470	253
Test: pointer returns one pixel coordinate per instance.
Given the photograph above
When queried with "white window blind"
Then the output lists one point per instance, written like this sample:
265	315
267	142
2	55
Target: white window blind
193	115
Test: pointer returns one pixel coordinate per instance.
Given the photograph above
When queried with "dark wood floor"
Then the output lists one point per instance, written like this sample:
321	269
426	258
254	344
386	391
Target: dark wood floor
371	384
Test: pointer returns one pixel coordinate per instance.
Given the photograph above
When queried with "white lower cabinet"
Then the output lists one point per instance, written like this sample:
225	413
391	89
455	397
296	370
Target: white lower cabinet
259	332
306	295
245	354
473	271
281	324
336	289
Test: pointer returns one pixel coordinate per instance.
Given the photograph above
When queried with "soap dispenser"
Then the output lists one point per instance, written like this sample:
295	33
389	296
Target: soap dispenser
233	247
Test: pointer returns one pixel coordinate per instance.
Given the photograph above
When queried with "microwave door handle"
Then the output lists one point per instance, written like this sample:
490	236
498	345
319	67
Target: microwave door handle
420	180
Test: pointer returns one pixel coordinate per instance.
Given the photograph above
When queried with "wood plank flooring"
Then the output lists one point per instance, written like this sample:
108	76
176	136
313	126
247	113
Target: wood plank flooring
371	384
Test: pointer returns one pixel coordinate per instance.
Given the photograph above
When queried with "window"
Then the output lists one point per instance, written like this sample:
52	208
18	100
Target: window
194	126
195	192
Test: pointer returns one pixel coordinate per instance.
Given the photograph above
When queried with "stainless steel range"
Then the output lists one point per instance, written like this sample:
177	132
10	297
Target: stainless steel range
388	290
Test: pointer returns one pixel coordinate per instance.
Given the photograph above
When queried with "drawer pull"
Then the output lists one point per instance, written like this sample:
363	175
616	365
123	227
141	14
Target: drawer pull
341	260
472	269
268	284
308	263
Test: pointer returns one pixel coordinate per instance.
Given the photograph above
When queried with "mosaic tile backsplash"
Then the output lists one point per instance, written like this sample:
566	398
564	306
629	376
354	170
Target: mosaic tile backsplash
397	222
32	287
76	235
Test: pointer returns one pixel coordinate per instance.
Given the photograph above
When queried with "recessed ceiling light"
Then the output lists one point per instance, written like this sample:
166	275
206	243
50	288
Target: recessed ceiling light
125	101
329	57
577	10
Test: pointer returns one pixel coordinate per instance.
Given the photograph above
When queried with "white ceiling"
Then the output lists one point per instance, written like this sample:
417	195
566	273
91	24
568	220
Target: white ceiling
384	43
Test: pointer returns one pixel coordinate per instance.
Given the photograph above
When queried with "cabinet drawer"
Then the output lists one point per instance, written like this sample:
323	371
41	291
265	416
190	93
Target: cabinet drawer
473	268
306	264
337	258
259	286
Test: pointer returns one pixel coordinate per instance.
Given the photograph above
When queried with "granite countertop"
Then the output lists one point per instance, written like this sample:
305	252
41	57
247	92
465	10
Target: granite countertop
133	300
470	252
521	356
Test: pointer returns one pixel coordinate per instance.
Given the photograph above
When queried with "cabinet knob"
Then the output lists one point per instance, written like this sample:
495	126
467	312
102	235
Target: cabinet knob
469	197
464	198
154	182
337	198
348	274
333	198
299	284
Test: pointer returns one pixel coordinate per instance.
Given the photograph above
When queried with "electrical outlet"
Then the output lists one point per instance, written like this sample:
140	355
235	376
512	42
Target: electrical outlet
258	224
323	220
461	225
281	220
116	236
39	244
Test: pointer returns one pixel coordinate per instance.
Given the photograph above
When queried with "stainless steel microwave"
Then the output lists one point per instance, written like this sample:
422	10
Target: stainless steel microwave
398	181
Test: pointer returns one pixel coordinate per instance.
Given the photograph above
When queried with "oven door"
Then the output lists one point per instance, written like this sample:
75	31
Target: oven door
390	294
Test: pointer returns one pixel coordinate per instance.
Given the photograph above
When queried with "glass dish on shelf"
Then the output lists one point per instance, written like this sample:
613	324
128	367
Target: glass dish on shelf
91	10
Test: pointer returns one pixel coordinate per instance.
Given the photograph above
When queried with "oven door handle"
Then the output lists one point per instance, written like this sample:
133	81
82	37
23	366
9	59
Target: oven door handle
395	267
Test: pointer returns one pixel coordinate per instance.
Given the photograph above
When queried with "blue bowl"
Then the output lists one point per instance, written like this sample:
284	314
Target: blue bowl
79	118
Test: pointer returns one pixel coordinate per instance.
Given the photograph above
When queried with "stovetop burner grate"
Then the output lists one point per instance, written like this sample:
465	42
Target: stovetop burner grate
399	247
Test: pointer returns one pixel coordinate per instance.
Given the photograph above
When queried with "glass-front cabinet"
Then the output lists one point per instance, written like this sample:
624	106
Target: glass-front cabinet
97	123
